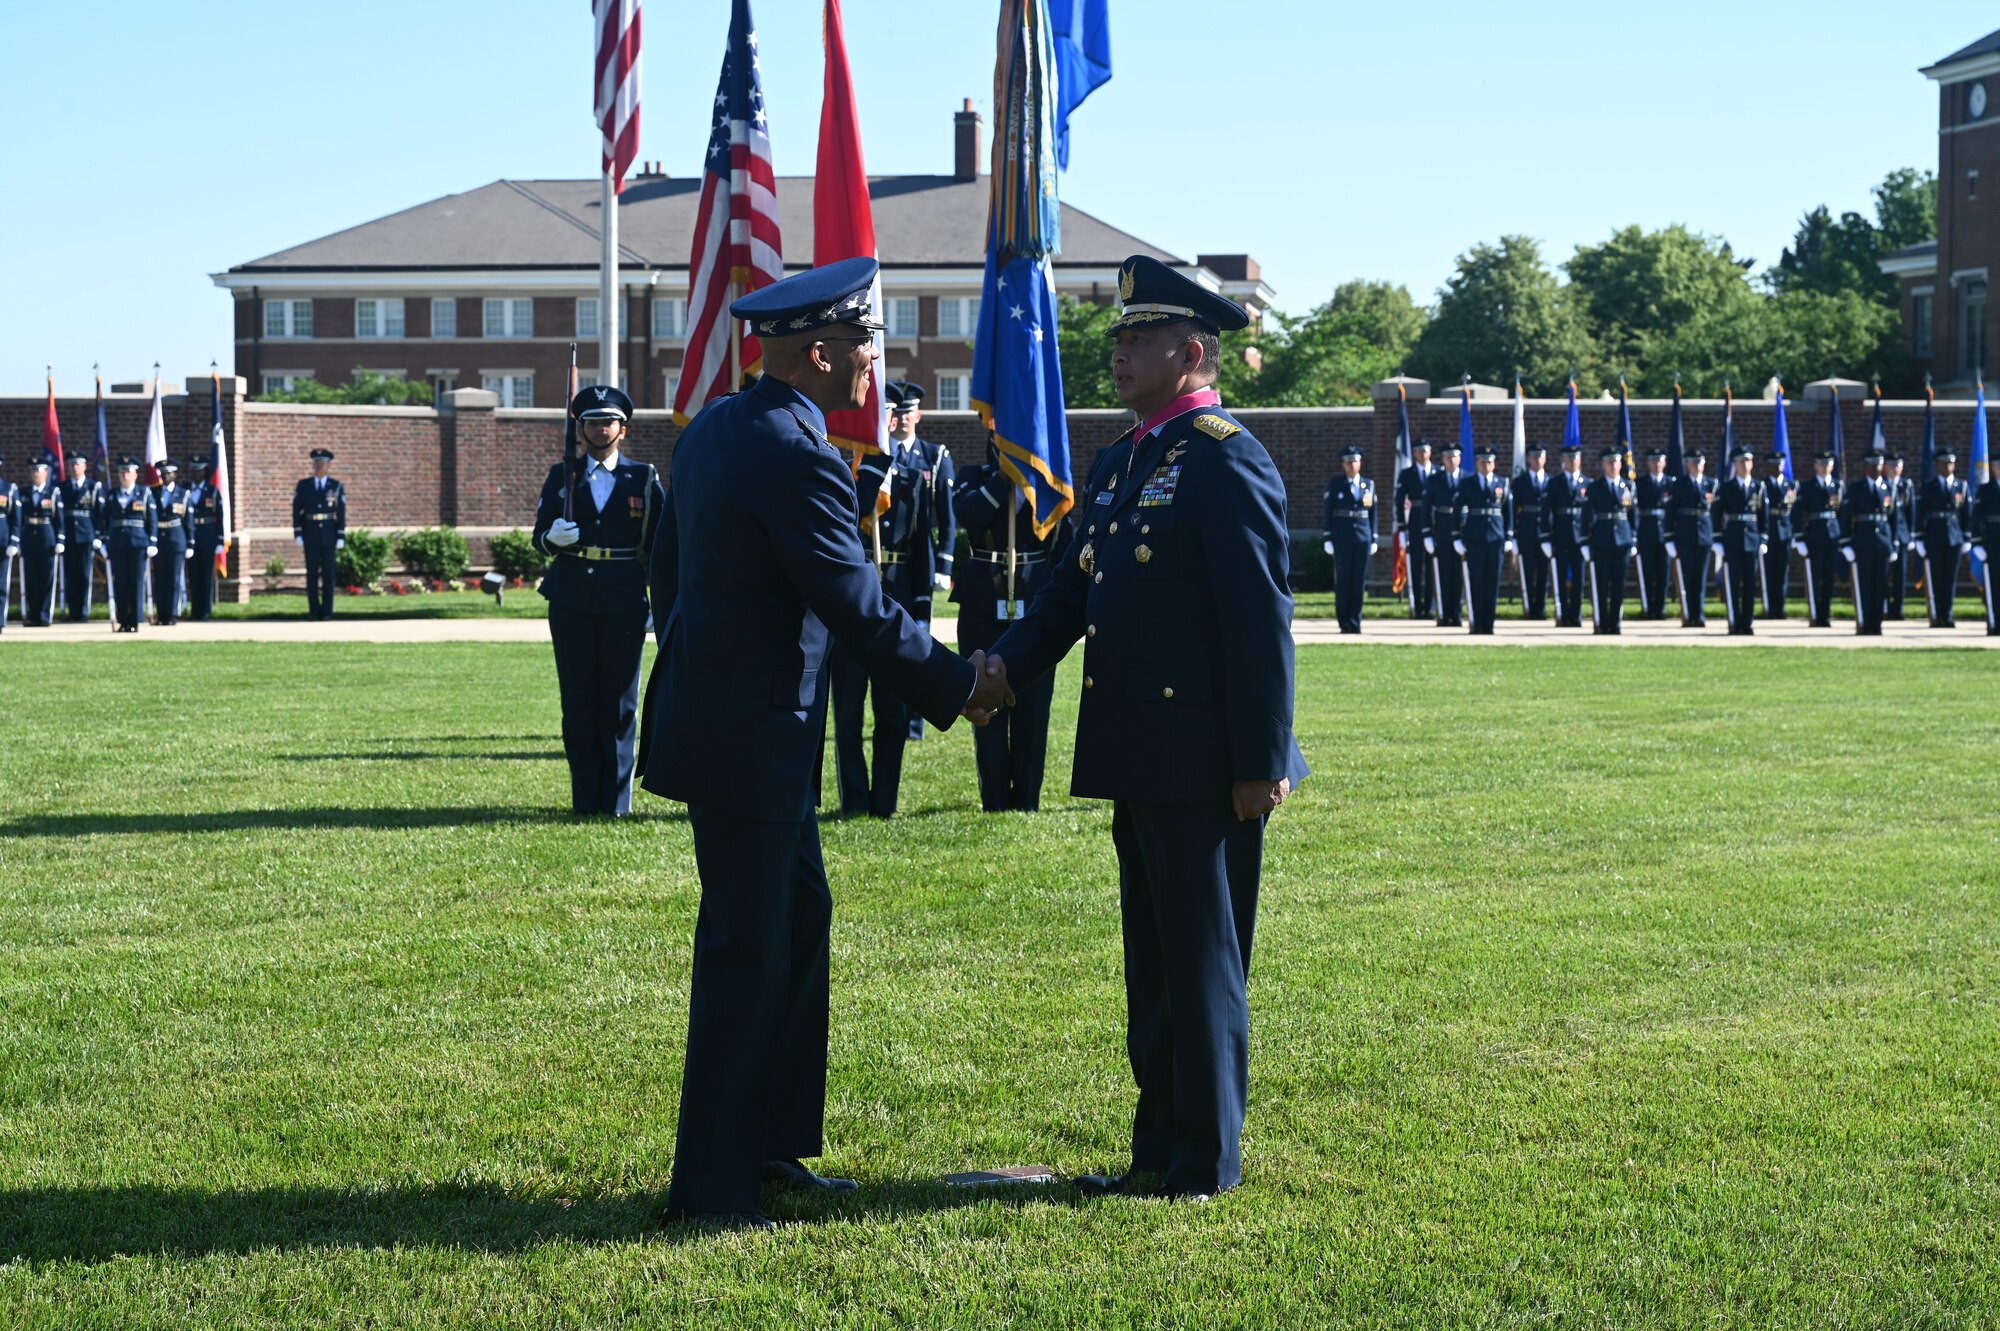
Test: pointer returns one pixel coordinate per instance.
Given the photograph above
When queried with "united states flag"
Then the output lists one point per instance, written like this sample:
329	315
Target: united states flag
736	243
617	84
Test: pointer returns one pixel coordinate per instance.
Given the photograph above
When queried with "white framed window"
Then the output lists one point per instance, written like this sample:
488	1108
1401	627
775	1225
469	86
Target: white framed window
958	316
377	317
510	317
902	316
283	381
444	317
288	318
670	317
670	382
586	316
1922	306
589	379
515	389
440	385
398	375
954	392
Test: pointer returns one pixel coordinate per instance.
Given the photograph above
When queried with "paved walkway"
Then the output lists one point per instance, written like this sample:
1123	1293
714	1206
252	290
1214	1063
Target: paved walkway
1971	633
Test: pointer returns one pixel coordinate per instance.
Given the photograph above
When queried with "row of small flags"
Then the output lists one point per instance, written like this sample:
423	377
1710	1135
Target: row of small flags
215	476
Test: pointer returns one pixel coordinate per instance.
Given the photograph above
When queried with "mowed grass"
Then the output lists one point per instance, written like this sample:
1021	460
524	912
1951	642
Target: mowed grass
1592	988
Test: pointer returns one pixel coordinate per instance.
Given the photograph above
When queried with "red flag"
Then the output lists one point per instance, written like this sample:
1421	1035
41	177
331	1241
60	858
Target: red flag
52	432
844	223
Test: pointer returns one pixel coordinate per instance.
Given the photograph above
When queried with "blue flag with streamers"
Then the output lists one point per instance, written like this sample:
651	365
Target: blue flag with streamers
1927	457
1981	468
1781	436
1465	467
1572	427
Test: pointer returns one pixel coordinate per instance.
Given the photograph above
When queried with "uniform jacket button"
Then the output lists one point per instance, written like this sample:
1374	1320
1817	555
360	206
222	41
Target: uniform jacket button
1097	577
1091	631
1114	529
1089	683
1166	693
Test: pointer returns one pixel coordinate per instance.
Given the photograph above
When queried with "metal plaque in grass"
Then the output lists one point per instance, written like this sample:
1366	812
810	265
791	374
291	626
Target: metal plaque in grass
982	1178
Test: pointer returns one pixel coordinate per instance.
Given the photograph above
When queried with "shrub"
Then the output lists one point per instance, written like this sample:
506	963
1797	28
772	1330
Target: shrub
274	570
515	556
434	552
363	560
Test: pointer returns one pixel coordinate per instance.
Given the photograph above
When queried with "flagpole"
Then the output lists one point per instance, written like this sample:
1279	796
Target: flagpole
607	289
62	559
1013	524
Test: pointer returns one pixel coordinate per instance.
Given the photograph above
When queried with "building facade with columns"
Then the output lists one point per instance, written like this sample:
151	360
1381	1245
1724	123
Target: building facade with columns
486	289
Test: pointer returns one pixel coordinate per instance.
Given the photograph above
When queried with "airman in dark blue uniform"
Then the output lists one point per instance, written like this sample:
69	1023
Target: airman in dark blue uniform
1816	518
1902	532
1690	509
1179	593
10	544
319	526
1350	536
130	525
1739	501
1011	750
1531	533
1568	538
1868	541
1941	511
80	497
1780	495
1652	496
596	520
1986	543
758	566
205	536
1413	519
1608	504
1485	522
169	567
1447	571
39	513
917	539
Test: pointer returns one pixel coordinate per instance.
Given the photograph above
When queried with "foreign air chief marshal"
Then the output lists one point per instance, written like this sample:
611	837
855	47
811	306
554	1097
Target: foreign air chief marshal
1179	590
762	568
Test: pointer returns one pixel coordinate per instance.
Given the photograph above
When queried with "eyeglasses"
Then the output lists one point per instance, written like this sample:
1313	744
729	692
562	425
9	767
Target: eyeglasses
869	338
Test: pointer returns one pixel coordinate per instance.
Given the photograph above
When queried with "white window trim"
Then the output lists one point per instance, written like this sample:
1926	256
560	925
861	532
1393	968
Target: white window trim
507	391
596	323
289	306
1963	274
509	330
678	333
916	326
450	302
399	375
293	376
966	306
382	333
937	387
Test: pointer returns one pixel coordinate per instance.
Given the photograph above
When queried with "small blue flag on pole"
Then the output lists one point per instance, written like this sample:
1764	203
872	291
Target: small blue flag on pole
1878	439
1981	469
1728	444
1676	438
103	448
1572	427
1465	467
1836	437
1083	59
1927	459
1781	435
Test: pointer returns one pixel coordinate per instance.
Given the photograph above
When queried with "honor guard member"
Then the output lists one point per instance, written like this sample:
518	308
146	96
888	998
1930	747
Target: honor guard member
1413	519
169	568
10	543
130	528
1690	506
319	526
80	497
1531	533
1485	522
763	566
1740	503
1447	573
1816	521
1780	495
204	541
1986	543
1868	541
40	536
1011	750
1569	537
1608	504
918	536
1653	496
1941	538
1180	596
1902	532
596	589
1350	536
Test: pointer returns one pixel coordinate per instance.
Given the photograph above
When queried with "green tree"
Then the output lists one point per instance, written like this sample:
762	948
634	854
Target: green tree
366	388
1831	255
1906	207
1504	312
1639	284
1083	341
1796	335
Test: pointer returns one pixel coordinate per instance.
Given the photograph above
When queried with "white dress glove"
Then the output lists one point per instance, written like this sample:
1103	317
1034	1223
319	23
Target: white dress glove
1979	548
152	550
1673	551
97	545
1508	546
1965	549
340	544
1586	554
59	547
1918	546
942	581
1327	546
1763	547
1373	546
1430	545
1458	548
1548	550
188	553
1717	547
1847	553
1799	546
13	550
564	533
299	541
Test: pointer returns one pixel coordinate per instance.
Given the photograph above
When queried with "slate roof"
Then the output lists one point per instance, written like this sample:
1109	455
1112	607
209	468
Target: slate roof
1987	45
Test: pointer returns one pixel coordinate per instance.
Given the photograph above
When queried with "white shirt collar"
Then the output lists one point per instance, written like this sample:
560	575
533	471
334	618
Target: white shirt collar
609	464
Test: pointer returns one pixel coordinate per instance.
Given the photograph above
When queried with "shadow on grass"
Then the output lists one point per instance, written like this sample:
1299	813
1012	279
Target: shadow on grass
423	755
302	819
95	1224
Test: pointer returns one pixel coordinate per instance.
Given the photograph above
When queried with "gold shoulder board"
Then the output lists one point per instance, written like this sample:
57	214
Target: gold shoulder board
1215	427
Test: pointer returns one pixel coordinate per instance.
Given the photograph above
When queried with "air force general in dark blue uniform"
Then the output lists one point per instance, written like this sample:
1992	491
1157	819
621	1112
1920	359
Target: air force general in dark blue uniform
1178	591
598	531
759	568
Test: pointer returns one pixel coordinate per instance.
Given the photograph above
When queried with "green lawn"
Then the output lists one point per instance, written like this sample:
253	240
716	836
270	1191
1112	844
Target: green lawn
1592	989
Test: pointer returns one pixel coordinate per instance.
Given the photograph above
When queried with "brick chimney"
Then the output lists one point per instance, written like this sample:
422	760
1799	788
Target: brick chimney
968	159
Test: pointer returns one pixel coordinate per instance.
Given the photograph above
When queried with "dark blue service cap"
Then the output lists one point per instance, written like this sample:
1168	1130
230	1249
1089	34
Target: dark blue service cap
1945	455
321	455
1775	455
1656	453
825	297
1743	451
602	402
1610	451
1421	443
1484	451
44	460
167	465
1826	455
1353	451
1537	448
1874	455
1151	292
128	461
903	395
1573	448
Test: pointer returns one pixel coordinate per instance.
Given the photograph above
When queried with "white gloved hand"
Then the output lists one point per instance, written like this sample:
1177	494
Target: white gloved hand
1965	549
1763	548
188	553
1327	546
1508	547
97	545
1458	548
564	533
1373	546
152	550
1979	548
13	550
1548	550
1717	547
1586	554
942	581
60	547
1430	545
340	544
1894	554
1799	547
1673	551
1847	553
1918	546
299	541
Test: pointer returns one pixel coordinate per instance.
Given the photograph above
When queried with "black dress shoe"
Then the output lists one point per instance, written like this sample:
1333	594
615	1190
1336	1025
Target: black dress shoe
719	1219
795	1177
1102	1185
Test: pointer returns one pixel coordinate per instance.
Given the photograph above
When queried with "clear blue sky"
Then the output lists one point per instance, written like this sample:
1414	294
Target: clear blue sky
149	144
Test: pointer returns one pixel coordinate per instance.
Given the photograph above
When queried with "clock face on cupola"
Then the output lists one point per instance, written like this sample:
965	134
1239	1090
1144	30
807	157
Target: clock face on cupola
1975	100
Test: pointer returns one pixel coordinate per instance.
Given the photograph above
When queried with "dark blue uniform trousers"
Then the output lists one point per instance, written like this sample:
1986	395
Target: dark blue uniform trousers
754	1086
169	580
1011	752
1188	896
322	563
128	585
79	568
597	671
848	686
1350	584
1571	575
201	580
1482	561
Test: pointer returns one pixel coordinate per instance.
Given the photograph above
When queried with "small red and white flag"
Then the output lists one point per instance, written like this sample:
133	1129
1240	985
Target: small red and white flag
617	100
156	435
218	476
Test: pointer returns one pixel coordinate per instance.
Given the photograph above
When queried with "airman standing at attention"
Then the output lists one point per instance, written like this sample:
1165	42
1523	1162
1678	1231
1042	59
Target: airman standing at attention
80	497
1941	538
1780	495
319	526
1817	519
1568	543
1740	502
130	528
1447	573
1653	494
1694	533
1531	533
1485	522
1350	536
1413	519
40	535
1902	534
1608	504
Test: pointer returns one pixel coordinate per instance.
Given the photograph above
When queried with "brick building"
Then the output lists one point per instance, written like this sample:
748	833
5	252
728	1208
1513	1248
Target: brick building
1948	317
486	289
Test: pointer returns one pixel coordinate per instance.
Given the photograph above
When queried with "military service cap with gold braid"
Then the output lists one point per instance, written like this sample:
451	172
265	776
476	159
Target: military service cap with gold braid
1151	292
